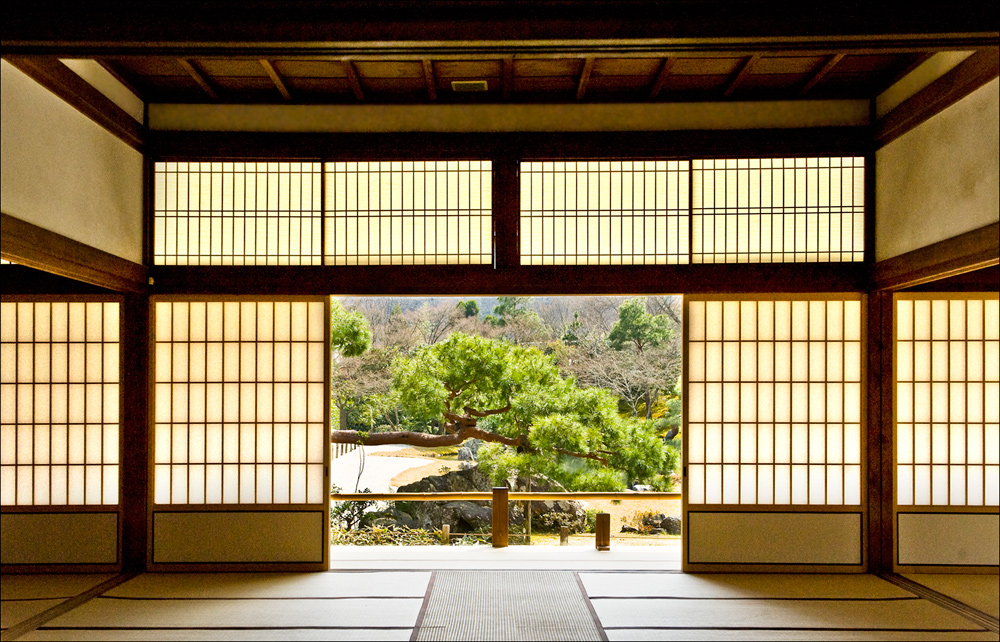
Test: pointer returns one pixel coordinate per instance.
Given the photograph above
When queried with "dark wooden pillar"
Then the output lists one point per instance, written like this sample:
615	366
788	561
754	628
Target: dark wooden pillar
136	399
501	521
880	463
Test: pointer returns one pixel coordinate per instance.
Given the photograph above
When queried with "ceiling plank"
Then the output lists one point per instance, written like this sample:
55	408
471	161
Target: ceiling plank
588	66
276	78
507	77
661	77
741	75
966	77
827	67
429	79
198	77
352	78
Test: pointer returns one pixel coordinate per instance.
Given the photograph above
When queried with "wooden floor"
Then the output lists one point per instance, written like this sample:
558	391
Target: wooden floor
448	604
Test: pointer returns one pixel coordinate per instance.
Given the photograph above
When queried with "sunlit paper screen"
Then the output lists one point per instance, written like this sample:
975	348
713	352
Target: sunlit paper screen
947	401
237	214
779	210
409	213
240	408
774	402
604	212
59	405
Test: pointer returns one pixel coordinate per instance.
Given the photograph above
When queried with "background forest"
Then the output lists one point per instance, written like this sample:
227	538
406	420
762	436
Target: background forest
578	391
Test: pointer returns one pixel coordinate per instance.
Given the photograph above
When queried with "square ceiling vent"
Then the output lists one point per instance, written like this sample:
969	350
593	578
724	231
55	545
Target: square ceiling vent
469	85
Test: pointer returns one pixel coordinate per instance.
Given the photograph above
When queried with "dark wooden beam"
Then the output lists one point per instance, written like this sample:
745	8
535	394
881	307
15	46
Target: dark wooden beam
353	80
826	68
276	78
661	77
966	252
198	77
319	26
38	248
968	76
513	280
741	74
429	79
63	82
581	88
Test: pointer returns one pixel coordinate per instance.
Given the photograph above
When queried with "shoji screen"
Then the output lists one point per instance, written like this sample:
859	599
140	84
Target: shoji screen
241	433
409	212
777	210
947	416
60	411
774	432
604	212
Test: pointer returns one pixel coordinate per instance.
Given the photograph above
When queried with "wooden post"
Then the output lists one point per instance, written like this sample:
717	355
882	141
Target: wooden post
445	534
500	518
603	532
564	536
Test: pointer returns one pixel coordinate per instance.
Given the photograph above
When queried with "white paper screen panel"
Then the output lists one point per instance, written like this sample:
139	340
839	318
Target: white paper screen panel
409	213
948	400
774	402
59	403
240	403
778	210
237	214
604	212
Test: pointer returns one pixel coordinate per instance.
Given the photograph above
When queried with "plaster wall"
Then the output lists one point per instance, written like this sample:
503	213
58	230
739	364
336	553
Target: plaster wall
942	178
65	173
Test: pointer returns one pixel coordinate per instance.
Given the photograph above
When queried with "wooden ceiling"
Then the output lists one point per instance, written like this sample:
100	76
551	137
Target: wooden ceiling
391	51
513	78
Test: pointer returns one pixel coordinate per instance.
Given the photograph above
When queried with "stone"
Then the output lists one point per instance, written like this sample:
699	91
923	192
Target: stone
671	525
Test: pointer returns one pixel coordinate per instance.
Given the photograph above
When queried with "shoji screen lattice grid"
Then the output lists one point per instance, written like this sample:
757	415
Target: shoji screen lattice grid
409	213
237	214
604	212
240	402
60	402
774	401
947	400
778	210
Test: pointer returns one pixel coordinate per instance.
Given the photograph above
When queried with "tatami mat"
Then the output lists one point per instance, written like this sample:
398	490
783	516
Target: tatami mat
744	635
48	586
273	585
245	613
506	605
911	614
14	611
24	596
981	592
214	634
738	586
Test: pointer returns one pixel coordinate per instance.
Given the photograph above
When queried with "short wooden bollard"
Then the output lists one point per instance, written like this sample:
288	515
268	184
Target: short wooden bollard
500	517
564	536
445	534
603	532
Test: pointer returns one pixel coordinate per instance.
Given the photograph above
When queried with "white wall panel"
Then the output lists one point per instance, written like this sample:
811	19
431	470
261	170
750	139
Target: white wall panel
942	178
63	172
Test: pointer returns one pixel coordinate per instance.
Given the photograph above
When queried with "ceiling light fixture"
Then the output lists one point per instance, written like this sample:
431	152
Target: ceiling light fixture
469	85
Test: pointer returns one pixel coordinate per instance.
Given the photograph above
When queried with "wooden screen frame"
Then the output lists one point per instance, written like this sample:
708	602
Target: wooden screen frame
861	510
929	509
82	509
154	508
